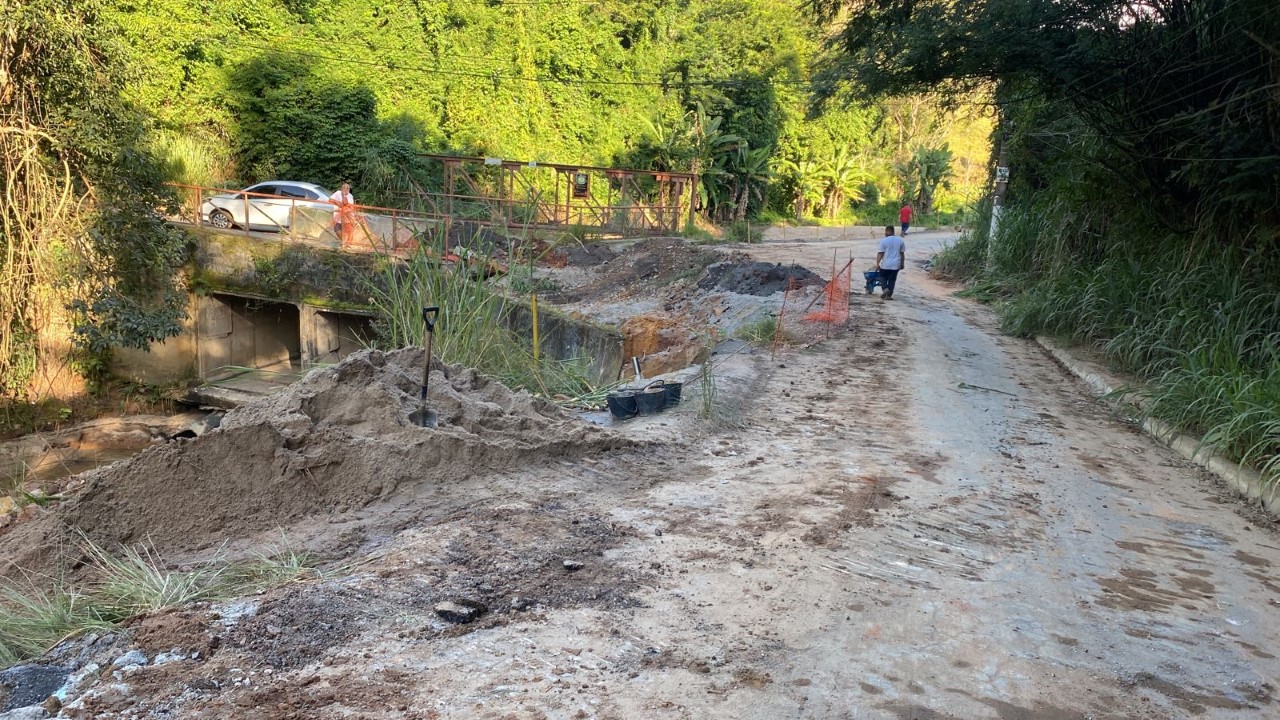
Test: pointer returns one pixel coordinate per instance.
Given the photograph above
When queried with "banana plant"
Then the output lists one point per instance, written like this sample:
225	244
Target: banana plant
807	179
843	174
752	174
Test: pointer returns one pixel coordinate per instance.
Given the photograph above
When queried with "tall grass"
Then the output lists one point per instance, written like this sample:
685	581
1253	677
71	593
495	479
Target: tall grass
967	257
474	328
1196	317
35	616
195	158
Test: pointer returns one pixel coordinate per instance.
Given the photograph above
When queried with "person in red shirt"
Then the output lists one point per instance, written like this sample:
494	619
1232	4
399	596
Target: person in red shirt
904	217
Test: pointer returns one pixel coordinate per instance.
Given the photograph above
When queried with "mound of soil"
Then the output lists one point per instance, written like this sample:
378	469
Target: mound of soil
656	261
589	254
336	441
477	238
756	278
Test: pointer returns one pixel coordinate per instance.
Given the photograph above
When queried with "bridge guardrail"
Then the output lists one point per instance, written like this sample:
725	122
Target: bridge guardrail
365	228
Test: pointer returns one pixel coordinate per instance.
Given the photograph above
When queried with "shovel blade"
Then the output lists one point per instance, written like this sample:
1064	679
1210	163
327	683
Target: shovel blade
424	417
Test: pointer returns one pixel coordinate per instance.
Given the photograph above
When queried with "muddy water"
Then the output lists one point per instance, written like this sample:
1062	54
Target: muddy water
55	469
47	458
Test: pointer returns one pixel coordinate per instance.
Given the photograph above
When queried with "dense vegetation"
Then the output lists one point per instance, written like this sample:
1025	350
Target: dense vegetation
85	262
103	100
336	89
1143	210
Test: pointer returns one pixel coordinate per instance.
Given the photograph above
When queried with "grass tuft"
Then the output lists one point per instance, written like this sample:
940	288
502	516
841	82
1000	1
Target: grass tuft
123	585
760	332
135	581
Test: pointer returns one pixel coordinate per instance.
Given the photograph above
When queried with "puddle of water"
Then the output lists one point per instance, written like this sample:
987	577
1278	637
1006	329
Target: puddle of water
51	469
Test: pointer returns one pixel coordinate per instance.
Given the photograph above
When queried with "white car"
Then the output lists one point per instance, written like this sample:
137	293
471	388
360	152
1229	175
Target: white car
264	213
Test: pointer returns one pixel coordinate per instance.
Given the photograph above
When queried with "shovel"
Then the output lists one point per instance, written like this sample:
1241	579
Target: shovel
425	416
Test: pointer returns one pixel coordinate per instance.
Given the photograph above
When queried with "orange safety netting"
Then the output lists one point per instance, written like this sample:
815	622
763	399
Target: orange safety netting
345	222
803	323
836	296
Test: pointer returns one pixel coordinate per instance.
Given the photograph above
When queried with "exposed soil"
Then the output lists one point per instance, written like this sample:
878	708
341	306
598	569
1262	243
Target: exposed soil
918	518
477	238
648	264
589	254
335	442
668	306
757	278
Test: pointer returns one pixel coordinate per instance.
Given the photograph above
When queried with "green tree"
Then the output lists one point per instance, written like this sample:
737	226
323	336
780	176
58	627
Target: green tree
86	263
1143	143
752	174
295	124
807	181
843	175
928	169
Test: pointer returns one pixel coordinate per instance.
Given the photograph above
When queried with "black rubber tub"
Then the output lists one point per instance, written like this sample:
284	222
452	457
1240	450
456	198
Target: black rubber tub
651	400
622	404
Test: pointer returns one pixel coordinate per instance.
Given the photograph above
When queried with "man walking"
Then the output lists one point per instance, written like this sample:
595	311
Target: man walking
904	217
889	261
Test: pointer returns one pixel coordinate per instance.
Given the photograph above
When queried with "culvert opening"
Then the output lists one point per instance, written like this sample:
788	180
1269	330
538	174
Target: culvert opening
248	341
335	335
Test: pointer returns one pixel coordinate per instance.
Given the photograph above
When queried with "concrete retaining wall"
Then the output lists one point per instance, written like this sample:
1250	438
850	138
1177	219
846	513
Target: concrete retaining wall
262	302
564	338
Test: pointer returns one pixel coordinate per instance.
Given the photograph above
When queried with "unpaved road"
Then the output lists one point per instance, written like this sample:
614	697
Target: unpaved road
918	519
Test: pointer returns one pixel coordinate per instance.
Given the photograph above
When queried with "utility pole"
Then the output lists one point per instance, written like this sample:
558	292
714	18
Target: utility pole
997	197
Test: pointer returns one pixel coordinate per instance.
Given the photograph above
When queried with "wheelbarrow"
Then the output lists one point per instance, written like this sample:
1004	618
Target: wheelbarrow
873	280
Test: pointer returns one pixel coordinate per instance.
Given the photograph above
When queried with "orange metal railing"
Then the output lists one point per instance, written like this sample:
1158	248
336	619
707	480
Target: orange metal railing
363	227
384	229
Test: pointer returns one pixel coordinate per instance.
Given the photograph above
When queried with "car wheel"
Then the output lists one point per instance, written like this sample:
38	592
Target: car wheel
221	219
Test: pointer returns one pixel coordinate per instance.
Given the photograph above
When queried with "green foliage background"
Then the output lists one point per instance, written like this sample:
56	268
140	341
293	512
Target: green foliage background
126	94
1142	213
86	262
350	89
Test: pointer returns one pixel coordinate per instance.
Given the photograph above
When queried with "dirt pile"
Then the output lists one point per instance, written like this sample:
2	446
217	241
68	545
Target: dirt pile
336	441
756	278
589	254
661	343
652	262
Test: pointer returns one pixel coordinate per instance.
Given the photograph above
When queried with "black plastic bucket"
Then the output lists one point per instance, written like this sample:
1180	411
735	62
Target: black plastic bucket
622	405
651	400
673	393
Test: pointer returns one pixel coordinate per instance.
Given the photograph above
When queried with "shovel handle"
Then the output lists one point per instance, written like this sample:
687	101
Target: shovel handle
429	317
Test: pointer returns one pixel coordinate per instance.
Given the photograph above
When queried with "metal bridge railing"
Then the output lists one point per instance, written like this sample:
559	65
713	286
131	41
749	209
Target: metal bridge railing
363	227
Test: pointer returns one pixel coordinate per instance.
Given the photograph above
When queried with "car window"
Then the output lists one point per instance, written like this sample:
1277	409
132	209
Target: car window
264	190
320	194
293	192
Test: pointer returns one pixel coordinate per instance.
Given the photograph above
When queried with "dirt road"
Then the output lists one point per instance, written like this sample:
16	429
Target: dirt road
918	519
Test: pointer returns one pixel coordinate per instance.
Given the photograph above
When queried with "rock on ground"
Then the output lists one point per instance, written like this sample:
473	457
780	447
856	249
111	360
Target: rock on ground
27	685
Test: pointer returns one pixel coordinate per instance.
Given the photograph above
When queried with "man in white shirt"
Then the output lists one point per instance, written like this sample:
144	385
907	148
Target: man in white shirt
341	198
889	261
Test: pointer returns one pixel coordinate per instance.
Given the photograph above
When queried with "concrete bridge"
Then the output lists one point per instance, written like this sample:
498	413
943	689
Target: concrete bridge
264	310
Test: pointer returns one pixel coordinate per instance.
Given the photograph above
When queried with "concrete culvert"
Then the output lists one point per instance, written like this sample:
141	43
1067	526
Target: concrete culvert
199	427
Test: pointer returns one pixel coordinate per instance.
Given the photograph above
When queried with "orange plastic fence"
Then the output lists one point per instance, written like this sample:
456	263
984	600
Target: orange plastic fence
836	294
798	320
